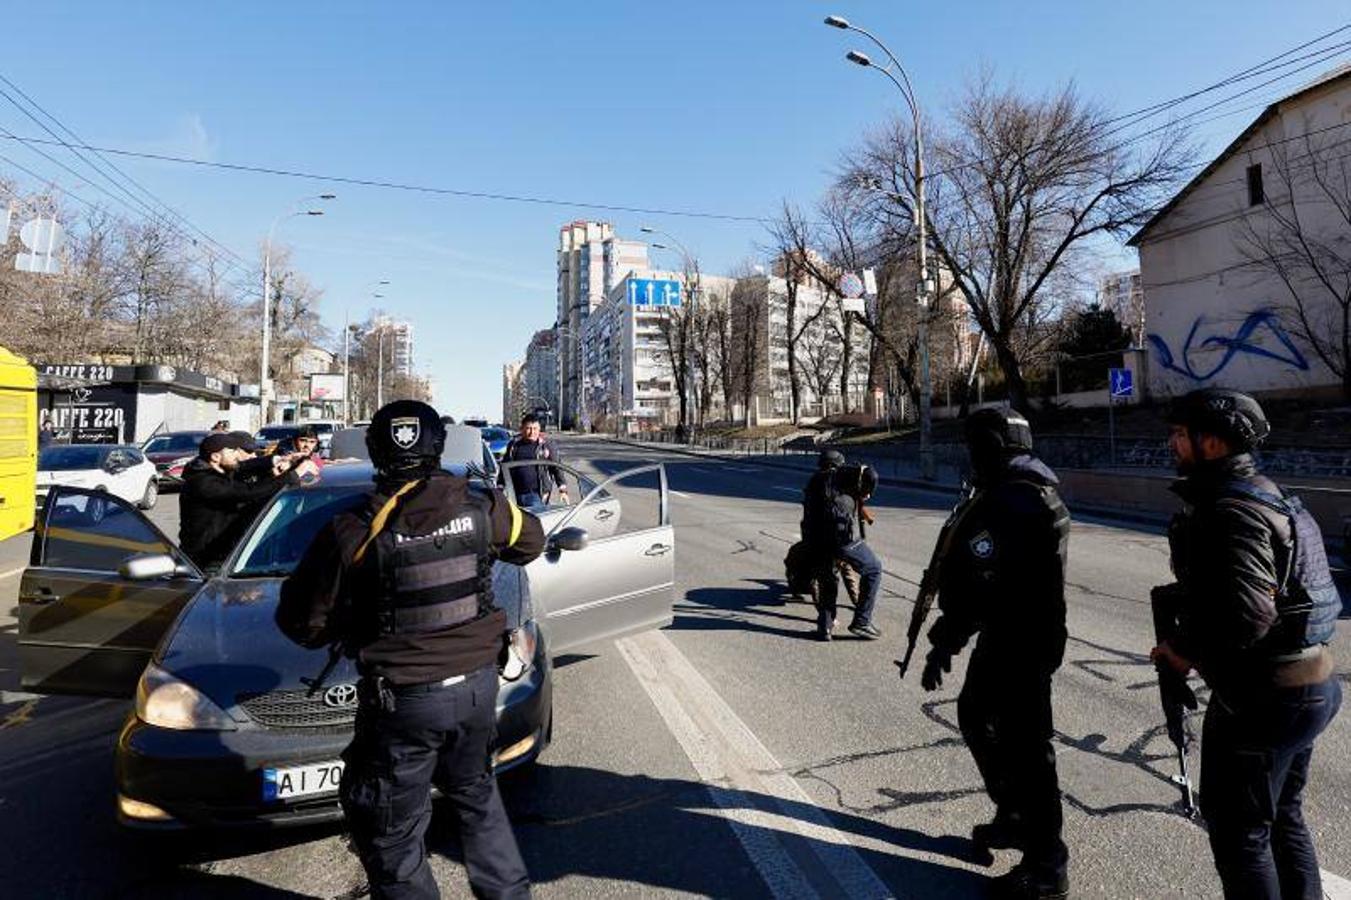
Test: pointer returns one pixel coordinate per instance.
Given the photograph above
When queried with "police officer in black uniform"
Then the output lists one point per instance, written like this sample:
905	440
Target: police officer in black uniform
405	585
1004	578
1258	607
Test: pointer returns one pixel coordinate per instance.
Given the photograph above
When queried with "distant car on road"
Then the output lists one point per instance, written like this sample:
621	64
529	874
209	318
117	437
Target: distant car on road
269	436
118	470
496	439
225	729
172	451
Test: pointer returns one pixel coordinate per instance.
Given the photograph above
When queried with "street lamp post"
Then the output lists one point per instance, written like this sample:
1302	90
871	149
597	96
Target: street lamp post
265	383
691	397
923	291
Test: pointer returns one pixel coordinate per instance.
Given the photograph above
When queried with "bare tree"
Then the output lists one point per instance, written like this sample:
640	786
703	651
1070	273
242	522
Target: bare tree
1301	238
677	325
747	358
1020	184
793	243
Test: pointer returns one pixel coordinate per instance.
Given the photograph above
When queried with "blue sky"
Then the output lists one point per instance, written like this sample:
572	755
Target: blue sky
703	106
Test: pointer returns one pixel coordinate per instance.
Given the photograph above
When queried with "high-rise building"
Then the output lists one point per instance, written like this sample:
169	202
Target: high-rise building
591	260
540	375
513	392
397	345
1122	293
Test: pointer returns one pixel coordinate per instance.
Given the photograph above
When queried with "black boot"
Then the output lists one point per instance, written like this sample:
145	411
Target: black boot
1004	832
1022	882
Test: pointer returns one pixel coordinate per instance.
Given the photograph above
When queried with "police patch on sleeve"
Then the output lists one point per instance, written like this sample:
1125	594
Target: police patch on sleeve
982	545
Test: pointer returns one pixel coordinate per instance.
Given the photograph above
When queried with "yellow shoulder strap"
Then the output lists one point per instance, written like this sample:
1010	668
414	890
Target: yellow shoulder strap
517	521
378	523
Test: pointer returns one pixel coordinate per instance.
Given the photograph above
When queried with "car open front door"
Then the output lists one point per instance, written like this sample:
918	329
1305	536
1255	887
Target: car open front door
623	580
599	517
102	587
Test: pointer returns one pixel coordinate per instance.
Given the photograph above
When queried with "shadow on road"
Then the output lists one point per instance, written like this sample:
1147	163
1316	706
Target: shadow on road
670	833
765	609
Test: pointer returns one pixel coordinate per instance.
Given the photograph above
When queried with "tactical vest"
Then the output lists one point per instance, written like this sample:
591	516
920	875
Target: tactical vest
1307	601
434	581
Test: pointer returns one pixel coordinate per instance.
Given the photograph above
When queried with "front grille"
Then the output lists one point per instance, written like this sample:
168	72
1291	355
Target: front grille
296	709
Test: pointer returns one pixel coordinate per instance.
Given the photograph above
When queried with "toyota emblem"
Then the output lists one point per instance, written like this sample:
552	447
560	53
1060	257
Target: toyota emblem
341	695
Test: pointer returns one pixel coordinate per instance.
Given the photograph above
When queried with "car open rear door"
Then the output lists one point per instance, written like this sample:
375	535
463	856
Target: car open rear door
88	620
623	581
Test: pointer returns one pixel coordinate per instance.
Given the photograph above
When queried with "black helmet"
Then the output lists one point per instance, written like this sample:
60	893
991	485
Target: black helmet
1233	416
1003	429
405	435
830	459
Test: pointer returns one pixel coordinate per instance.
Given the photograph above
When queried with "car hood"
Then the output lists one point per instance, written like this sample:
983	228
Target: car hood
227	644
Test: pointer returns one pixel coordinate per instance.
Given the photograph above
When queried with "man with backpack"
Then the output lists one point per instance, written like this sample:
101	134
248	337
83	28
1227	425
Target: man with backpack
1257	608
831	529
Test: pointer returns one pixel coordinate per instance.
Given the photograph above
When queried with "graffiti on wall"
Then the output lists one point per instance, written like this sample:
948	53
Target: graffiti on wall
1241	342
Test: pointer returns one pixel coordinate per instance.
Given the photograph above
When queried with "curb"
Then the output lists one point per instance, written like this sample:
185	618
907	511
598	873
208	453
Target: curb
1101	512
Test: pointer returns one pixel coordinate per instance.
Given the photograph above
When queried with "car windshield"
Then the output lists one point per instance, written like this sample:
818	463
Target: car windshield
288	525
68	459
167	443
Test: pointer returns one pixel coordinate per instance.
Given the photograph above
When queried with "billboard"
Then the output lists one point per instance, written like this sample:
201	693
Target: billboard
654	292
329	387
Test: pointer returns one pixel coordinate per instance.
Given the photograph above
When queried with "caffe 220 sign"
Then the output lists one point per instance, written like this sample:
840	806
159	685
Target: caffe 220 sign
102	410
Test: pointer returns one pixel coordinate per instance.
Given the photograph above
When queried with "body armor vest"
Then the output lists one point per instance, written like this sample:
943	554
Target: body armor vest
1307	601
434	581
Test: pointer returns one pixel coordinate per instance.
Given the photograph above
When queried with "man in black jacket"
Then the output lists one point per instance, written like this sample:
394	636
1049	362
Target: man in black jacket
1004	579
405	584
534	484
830	530
223	489
1258	607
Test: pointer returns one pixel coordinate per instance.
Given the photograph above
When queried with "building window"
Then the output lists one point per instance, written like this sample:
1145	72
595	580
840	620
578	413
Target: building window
1255	192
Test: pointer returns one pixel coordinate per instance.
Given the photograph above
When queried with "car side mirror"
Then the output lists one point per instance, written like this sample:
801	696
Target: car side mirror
571	539
148	567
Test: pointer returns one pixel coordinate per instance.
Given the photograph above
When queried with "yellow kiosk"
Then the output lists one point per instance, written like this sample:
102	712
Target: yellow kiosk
18	443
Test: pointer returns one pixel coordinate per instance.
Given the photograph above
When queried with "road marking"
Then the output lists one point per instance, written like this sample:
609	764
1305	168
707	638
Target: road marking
1335	887
758	798
11	573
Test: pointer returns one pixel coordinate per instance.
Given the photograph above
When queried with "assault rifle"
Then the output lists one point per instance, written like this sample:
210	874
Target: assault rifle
1176	697
928	582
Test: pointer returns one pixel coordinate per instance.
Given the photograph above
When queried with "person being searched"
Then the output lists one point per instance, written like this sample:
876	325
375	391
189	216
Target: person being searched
1258	607
1003	578
534	485
224	488
404	586
305	444
830	528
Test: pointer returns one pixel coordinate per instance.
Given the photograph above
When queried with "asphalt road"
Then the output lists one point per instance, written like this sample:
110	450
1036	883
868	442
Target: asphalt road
730	755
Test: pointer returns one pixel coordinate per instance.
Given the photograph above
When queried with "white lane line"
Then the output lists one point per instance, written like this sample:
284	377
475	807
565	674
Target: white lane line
11	573
1335	887
740	772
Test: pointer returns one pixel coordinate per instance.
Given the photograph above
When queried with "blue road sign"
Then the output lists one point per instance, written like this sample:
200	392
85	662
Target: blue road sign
654	292
1121	382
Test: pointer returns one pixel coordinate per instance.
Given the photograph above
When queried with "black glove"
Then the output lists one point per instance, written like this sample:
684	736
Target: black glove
935	664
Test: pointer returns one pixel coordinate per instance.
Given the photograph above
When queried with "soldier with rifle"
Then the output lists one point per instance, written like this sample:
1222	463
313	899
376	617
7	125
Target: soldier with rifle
1253	610
1000	572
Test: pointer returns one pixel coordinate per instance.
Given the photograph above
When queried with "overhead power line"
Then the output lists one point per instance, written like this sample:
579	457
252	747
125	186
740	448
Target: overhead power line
392	185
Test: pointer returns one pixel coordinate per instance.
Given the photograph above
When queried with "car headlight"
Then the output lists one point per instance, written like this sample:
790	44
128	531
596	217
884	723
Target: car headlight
520	652
168	702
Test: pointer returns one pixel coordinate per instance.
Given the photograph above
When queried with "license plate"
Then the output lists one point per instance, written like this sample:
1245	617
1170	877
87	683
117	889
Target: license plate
302	781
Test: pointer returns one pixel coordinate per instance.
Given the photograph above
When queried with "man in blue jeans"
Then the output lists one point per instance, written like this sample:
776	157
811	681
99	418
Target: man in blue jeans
830	525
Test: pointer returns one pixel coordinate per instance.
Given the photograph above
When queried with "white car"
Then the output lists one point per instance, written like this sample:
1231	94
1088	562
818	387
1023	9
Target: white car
118	469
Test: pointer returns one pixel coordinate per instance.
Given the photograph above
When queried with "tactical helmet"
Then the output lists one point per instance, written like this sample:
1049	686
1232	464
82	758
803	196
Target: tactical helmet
998	429
830	459
405	434
1230	415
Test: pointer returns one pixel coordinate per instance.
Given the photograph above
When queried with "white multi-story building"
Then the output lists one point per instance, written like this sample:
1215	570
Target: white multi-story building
397	344
591	260
540	376
513	393
1122	294
1245	270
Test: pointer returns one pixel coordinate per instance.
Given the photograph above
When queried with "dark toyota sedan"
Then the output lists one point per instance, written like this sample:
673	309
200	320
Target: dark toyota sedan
225	729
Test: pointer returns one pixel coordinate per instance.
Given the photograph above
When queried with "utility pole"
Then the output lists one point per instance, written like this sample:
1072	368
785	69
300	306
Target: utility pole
346	368
380	368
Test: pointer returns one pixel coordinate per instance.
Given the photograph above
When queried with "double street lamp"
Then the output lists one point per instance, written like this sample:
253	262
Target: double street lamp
265	383
925	287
